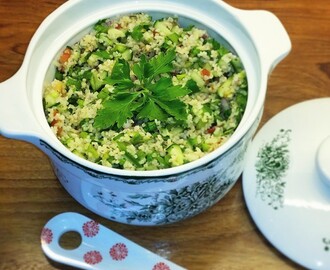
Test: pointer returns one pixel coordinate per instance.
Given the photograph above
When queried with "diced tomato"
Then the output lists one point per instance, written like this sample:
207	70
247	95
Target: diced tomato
54	122
154	32
65	55
59	131
210	130
205	72
55	112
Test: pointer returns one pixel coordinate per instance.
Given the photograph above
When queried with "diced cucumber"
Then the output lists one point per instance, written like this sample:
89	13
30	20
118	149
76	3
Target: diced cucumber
195	75
80	103
83	134
193	142
174	37
137	138
181	76
77	153
176	155
93	60
114	33
222	51
119	47
176	130
207	66
194	51
237	64
106	158
201	124
51	98
109	158
205	147
104	93
206	117
97	79
67	141
141	155
104	38
177	29
226	89
127	55
163	28
92	152
242	77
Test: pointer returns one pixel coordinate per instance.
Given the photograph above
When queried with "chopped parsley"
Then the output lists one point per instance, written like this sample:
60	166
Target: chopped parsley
151	96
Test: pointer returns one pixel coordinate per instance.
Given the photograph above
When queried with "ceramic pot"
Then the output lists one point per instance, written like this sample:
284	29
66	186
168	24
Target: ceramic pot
144	197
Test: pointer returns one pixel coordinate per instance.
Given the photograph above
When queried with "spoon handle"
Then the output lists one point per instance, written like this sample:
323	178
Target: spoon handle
100	248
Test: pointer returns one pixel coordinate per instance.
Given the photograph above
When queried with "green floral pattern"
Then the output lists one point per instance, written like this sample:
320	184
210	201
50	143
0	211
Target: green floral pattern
272	163
326	242
167	206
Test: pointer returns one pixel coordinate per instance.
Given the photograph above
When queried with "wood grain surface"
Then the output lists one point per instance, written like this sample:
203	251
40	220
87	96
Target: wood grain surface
223	237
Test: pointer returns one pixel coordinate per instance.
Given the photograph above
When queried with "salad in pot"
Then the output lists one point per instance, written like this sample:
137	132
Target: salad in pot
139	94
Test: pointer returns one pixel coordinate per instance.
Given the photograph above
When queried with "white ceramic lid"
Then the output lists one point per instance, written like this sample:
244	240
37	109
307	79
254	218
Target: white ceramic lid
286	182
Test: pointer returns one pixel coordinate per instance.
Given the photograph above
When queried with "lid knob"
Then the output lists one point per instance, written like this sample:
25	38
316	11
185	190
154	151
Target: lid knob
323	160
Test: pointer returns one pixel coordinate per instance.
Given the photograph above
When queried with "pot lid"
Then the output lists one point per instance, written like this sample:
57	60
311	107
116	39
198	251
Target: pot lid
286	182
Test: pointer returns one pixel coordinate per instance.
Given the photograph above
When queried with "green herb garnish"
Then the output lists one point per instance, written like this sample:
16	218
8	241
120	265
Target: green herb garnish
152	96
137	33
120	76
101	26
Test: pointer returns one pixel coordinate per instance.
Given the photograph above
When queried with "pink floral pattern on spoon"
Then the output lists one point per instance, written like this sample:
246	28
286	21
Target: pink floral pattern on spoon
100	248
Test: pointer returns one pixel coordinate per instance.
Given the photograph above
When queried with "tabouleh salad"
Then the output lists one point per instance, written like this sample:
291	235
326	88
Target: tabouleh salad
139	94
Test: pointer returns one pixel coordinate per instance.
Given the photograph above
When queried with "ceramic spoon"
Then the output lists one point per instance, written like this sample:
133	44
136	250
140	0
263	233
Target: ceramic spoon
100	247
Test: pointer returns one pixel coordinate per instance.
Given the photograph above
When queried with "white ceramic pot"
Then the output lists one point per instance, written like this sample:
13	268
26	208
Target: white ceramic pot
149	197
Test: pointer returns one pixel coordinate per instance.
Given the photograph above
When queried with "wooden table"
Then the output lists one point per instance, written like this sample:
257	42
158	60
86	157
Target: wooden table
224	237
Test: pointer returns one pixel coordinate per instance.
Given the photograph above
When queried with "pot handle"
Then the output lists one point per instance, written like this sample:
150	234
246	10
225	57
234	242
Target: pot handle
16	117
269	35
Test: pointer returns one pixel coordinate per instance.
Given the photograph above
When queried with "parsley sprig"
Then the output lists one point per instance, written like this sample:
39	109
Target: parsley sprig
152	96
